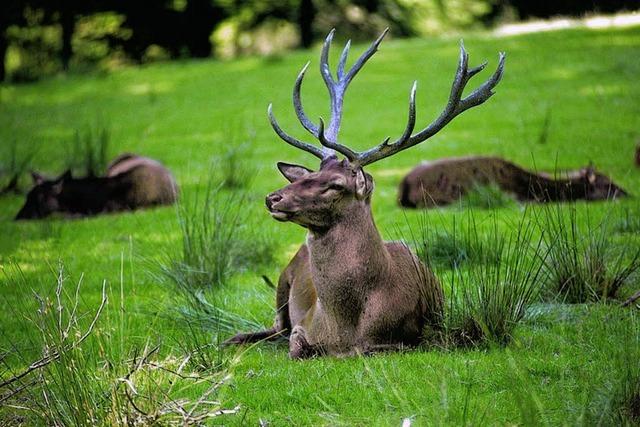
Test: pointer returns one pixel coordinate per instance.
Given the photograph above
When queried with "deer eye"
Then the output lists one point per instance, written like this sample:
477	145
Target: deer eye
333	187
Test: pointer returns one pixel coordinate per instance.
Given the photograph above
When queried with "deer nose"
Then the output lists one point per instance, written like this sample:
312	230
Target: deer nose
271	199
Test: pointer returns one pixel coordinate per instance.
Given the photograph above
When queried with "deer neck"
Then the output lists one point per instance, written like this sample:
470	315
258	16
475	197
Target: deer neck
562	188
348	260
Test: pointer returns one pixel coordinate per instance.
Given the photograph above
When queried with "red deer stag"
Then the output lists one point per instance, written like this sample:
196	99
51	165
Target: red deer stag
346	291
444	181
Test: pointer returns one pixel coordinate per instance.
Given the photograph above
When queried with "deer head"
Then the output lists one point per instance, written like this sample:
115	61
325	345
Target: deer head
598	186
44	198
318	199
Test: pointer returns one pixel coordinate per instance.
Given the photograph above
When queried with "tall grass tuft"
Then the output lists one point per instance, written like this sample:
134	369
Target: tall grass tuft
492	297
219	239
89	151
235	165
489	196
585	264
461	243
487	300
73	366
12	167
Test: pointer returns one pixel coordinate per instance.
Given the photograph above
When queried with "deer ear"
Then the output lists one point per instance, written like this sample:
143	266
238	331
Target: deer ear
364	185
37	178
293	172
590	173
56	188
65	176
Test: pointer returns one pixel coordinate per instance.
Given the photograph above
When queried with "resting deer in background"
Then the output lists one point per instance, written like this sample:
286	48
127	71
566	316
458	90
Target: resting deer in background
346	291
132	182
445	181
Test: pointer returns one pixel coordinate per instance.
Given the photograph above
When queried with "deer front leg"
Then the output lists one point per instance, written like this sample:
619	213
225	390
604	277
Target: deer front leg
299	347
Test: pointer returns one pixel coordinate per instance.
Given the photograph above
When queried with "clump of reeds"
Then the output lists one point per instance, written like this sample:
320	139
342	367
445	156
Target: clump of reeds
12	167
585	263
88	154
488	299
219	238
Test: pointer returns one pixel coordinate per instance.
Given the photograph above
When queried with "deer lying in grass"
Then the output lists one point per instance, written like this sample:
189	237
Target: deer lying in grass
444	181
132	182
346	291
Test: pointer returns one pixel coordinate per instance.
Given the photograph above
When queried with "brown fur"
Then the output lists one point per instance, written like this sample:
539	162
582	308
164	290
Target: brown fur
345	291
637	157
444	181
132	182
153	184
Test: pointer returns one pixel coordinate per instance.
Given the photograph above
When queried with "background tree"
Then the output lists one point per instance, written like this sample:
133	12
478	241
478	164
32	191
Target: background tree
44	33
10	14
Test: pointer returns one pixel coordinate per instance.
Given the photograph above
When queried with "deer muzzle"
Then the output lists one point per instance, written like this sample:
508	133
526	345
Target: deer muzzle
272	201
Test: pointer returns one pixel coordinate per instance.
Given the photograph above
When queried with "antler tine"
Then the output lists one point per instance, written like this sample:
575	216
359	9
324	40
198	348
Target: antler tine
485	90
324	62
297	104
373	48
329	137
344	150
343	60
319	153
337	88
411	121
455	105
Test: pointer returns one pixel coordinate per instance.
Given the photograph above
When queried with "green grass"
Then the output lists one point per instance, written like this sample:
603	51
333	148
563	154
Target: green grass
556	369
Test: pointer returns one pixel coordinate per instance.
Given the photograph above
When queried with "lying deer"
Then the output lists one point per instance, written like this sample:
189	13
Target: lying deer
131	182
444	181
346	291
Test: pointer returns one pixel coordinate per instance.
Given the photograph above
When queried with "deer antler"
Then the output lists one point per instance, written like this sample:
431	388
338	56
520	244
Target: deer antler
336	89
329	137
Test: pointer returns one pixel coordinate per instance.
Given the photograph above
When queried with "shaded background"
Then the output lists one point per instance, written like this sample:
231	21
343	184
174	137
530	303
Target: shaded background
44	37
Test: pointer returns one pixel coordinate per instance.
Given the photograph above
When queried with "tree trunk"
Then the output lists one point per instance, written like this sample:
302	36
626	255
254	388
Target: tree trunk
67	22
198	24
3	52
306	14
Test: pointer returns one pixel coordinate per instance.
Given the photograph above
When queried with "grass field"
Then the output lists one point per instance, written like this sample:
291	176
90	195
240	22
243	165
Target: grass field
564	363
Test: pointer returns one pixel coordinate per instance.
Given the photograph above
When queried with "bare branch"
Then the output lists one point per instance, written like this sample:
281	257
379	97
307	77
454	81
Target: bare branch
635	297
44	361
